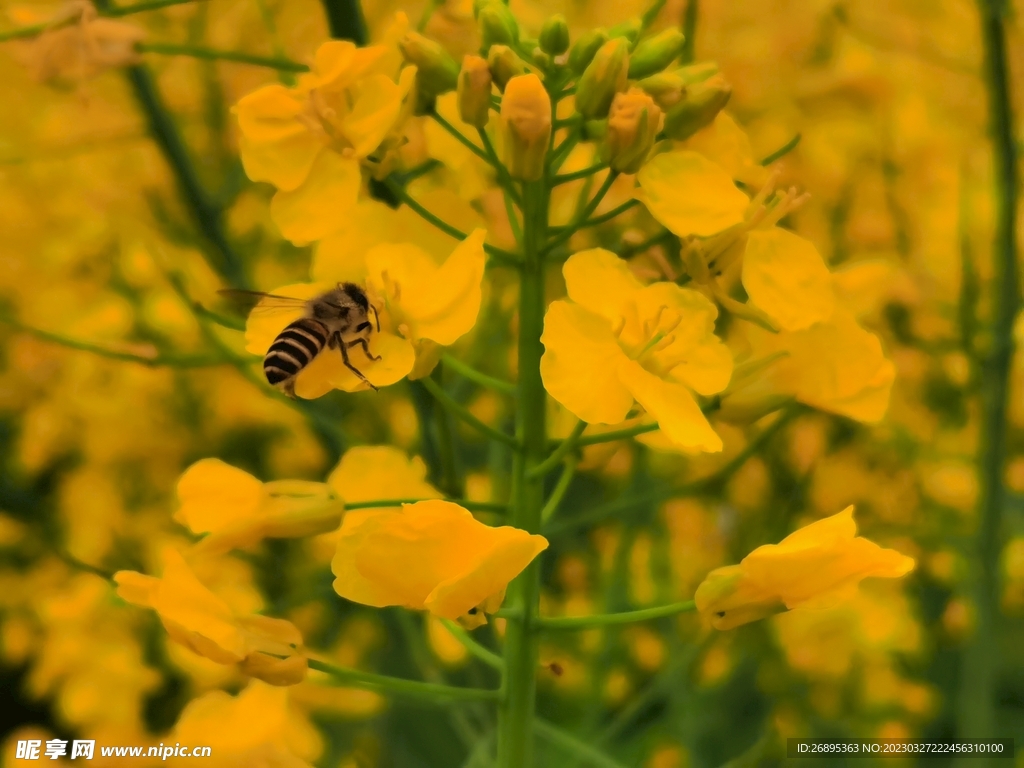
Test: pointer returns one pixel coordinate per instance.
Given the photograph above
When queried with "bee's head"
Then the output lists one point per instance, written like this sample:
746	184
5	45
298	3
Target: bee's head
356	295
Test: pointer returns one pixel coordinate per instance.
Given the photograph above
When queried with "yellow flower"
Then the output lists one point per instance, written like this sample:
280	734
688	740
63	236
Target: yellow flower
421	305
616	342
526	121
371	472
199	620
308	141
690	195
236	509
255	728
432	555
785	276
816	566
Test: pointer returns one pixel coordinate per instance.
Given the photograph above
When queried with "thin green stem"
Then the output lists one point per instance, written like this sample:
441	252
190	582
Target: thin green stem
559	453
688	54
505	387
620	209
31	30
782	151
450	483
503	175
608	619
978	676
558	492
560	153
345	20
584	214
487	656
516	710
618	434
475	506
401	687
631	250
513	220
463	413
213	54
153	361
573	744
461	137
444	226
565	178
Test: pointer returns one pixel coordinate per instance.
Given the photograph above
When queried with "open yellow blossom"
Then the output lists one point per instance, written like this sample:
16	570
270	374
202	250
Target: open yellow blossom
616	342
816	566
199	620
236	509
690	194
255	728
432	555
308	141
421	305
371	472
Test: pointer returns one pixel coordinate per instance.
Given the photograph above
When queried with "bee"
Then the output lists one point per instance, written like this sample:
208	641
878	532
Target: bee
338	319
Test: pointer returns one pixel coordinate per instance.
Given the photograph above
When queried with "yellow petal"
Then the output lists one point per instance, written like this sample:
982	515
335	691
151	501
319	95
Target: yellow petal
728	599
349	582
785	276
861	286
312	211
440	304
214	495
136	588
725	143
580	364
275	145
370	472
328	371
690	195
373	115
600	281
674	408
707	368
341	257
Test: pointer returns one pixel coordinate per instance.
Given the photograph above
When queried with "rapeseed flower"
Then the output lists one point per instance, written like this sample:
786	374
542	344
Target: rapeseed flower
311	140
817	566
235	509
198	619
616	342
432	555
421	305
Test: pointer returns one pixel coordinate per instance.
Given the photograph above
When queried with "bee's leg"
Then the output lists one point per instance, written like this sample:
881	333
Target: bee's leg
288	387
366	348
356	371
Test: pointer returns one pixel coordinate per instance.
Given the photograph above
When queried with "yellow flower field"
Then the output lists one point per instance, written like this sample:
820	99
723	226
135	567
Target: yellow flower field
508	384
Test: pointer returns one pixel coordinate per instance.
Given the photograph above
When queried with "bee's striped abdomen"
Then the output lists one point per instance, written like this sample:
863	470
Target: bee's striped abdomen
294	349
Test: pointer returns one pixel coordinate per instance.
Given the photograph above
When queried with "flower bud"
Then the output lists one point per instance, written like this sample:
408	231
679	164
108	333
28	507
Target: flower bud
692	74
666	88
554	36
703	101
526	117
630	30
656	53
633	125
505	64
497	26
584	50
436	71
474	90
603	78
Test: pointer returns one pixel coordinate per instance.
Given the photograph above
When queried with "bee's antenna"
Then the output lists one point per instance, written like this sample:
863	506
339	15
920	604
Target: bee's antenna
376	317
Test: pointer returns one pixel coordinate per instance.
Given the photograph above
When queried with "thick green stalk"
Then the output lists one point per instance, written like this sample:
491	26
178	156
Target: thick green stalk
345	20
516	709
980	668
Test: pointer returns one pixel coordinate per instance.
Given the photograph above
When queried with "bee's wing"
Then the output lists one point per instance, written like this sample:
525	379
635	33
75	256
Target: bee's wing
247	302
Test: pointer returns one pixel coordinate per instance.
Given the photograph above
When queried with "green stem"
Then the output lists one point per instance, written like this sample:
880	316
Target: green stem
516	710
620	209
207	215
400	687
444	226
584	214
450	481
558	493
690	30
461	137
32	30
978	676
475	506
503	177
618	434
573	744
505	387
565	178
631	250
463	413
607	619
487	656
563	448
782	151
213	54
345	20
